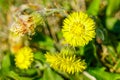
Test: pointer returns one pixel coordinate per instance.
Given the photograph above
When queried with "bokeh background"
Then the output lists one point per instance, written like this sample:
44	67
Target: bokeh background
102	55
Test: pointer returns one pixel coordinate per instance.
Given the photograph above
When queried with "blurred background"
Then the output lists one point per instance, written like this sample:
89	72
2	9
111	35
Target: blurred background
102	55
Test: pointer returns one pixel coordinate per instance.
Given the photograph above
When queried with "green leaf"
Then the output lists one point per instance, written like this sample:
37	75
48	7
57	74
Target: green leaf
47	44
13	75
101	74
113	24
111	51
118	48
30	72
93	9
89	54
100	34
113	5
39	56
25	78
51	75
80	51
6	64
43	42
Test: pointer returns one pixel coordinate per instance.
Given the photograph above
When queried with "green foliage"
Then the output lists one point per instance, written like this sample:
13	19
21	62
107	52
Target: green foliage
118	48
101	74
102	54
112	23
39	56
93	9
51	75
47	44
100	34
5	66
113	6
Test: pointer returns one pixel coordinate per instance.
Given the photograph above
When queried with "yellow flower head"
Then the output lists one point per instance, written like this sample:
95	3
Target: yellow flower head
66	62
78	29
24	58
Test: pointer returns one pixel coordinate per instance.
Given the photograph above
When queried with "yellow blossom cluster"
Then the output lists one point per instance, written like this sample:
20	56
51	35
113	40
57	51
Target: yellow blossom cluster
78	29
65	61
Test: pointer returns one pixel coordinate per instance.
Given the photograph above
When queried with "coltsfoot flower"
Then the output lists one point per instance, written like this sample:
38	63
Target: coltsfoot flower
66	62
78	29
24	58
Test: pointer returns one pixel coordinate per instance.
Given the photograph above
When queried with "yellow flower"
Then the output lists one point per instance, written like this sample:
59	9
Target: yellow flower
78	29
66	62
24	58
